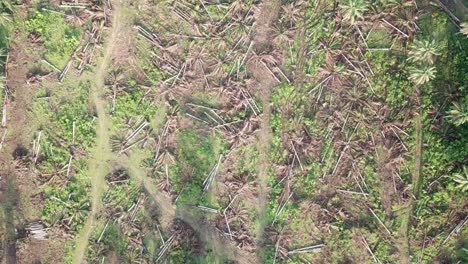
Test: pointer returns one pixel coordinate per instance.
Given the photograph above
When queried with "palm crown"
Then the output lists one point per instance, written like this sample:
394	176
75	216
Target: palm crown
422	75
459	113
354	9
424	51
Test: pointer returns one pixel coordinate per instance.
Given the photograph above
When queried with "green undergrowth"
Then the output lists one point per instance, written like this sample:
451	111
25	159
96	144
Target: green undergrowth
56	112
196	155
67	190
69	204
58	36
132	104
445	141
109	239
184	254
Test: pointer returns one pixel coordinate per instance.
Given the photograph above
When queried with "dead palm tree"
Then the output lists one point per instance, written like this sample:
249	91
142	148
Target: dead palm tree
332	72
292	12
282	35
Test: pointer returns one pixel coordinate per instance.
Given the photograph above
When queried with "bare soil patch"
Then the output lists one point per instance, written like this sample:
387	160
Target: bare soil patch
19	203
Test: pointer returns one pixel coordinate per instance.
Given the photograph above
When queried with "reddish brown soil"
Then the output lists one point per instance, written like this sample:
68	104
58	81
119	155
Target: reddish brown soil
18	177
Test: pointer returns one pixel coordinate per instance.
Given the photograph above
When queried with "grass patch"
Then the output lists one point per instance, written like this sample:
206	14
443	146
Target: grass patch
59	38
196	155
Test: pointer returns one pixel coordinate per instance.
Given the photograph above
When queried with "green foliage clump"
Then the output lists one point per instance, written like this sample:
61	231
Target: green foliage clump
68	205
121	197
458	114
289	114
184	254
114	240
390	80
56	118
60	39
131	105
353	10
196	155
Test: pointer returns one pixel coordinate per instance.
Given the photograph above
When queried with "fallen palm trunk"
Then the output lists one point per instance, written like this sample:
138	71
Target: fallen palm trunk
75	5
3	139
366	245
69	166
456	229
165	247
207	182
380	221
65	71
37	147
314	248
135	132
4	111
281	207
207	209
50	64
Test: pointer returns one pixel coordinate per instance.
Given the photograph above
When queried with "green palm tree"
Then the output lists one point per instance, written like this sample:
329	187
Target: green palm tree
6	9
2	83
421	75
424	51
354	9
459	113
464	28
5	19
461	179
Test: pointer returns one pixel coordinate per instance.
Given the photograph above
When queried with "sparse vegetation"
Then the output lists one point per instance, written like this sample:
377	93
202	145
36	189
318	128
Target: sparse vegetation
234	131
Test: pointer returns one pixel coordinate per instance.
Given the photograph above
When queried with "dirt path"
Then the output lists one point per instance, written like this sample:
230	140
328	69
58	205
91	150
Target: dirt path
100	156
169	212
15	185
220	245
403	244
263	32
167	209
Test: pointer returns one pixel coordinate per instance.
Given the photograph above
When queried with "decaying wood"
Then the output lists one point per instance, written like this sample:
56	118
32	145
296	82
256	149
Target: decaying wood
4	111
3	138
456	229
314	249
366	245
37	147
209	180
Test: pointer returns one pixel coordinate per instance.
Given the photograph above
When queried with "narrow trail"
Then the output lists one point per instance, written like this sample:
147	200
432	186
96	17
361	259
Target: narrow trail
263	31
15	185
403	243
102	154
169	212
98	163
263	165
167	209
